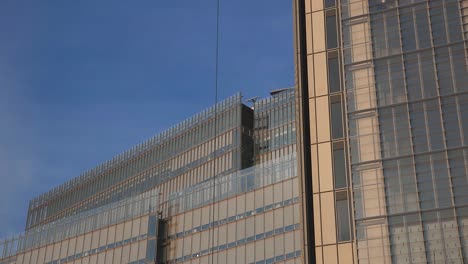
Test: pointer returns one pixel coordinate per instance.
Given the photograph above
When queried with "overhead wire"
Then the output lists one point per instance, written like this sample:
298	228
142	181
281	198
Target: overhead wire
214	146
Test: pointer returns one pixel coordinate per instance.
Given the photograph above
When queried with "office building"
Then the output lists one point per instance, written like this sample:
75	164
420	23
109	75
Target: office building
221	187
274	126
365	162
392	99
176	159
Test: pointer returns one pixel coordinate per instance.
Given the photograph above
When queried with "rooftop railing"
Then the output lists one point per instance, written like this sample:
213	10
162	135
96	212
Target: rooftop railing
140	148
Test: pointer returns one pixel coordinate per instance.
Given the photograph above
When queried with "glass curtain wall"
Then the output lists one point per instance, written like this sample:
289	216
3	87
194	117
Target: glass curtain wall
405	74
179	151
274	126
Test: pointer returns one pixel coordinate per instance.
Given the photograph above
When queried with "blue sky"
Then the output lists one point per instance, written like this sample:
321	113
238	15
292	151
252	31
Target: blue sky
81	81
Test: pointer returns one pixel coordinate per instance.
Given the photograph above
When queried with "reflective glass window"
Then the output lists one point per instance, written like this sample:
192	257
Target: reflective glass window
426	126
400	185
415	27
433	181
390	81
420	75
342	217
339	165
333	73
337	117
379	5
332	30
330	3
452	121
408	2
385	34
453	21
458	160
152	225
395	131
445	70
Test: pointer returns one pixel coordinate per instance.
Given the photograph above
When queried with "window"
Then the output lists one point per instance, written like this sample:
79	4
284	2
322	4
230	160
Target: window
342	217
415	28
378	5
400	186
451	69
452	120
329	3
426	126
420	75
390	81
385	34
453	22
394	131
337	117
339	165
458	160
151	250
333	72
433	181
152	225
445	22
332	35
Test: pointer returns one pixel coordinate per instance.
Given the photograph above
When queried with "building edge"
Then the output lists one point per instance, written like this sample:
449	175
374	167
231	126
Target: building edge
303	130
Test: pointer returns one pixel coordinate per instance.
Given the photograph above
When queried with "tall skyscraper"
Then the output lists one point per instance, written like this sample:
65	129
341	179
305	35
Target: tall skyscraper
383	118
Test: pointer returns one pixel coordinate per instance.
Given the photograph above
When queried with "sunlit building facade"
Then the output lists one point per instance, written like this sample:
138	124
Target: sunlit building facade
197	193
213	142
274	125
393	75
365	161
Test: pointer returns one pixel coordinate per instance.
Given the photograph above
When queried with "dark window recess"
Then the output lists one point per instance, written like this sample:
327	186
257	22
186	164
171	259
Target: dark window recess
329	3
342	217
337	119
333	74
332	35
339	166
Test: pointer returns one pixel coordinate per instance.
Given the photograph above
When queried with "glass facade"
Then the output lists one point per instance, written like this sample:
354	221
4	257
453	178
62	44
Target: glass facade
400	134
274	126
247	217
400	88
120	232
189	195
188	151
